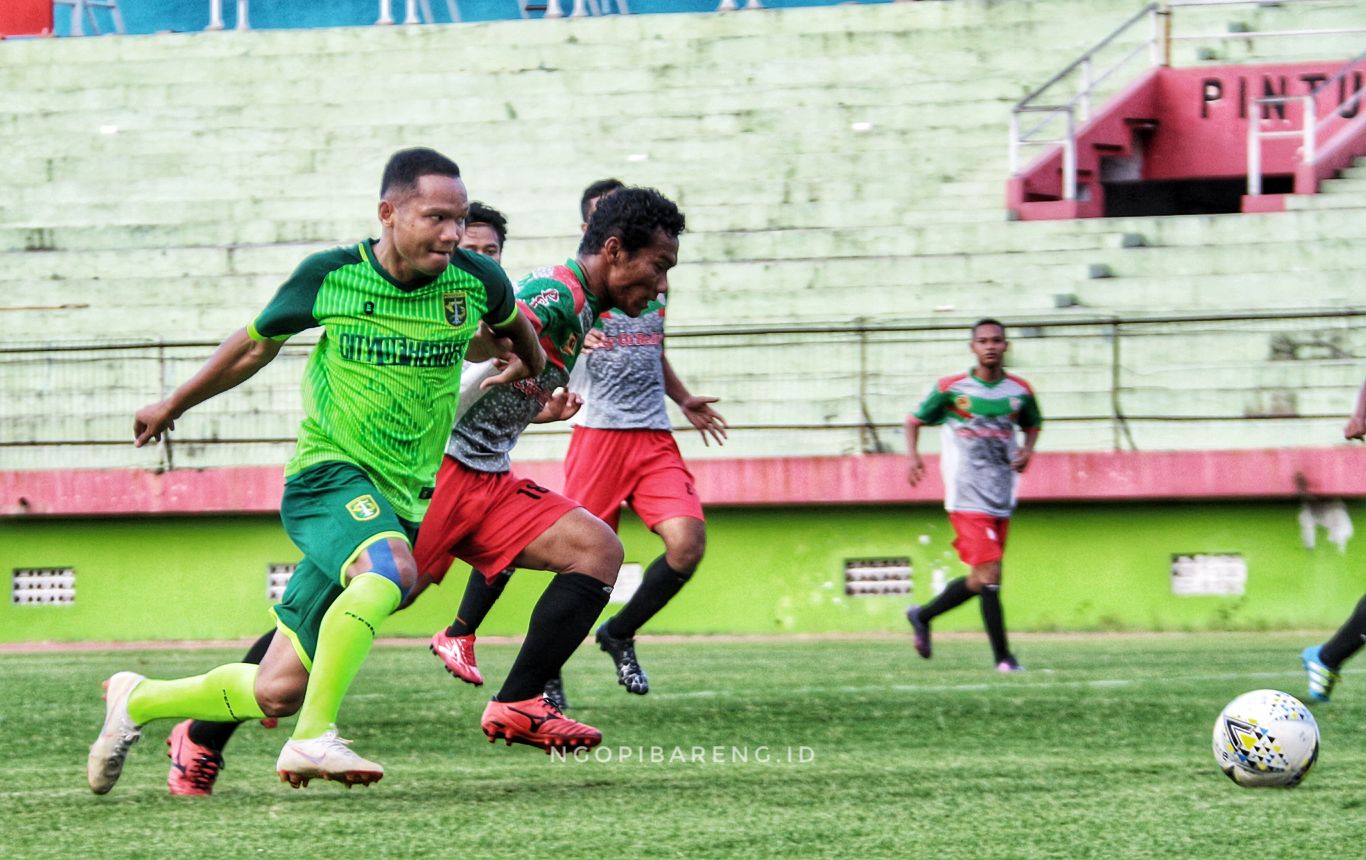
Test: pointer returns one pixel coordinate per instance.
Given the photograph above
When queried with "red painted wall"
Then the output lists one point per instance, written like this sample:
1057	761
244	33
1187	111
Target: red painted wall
25	17
1203	116
871	479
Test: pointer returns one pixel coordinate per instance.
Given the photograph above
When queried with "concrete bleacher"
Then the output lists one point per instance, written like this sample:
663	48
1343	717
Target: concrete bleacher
836	165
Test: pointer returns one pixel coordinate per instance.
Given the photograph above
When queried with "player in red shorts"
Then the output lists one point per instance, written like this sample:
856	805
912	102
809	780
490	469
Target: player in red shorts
625	451
980	412
482	513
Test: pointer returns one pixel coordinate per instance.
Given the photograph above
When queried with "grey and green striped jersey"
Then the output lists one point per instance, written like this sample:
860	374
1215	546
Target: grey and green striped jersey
623	380
381	387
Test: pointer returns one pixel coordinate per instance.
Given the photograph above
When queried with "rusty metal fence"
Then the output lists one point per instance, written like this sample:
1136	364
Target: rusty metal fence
1105	383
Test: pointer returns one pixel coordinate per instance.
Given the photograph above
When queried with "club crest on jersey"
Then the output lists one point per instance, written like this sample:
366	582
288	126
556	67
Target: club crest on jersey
455	308
363	508
963	403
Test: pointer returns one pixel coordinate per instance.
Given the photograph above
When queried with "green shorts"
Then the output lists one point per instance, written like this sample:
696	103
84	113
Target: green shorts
333	513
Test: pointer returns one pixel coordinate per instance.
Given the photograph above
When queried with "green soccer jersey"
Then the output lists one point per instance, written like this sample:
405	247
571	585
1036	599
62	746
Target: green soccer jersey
381	387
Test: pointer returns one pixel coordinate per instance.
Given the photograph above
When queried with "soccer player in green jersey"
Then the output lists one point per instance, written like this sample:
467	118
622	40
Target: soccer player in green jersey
1323	663
380	392
981	412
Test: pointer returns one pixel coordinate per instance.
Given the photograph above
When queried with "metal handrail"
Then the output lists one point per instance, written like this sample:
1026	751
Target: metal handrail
216	15
1310	123
1076	109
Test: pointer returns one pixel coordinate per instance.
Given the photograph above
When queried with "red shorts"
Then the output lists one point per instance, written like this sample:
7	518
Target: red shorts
483	518
640	467
980	537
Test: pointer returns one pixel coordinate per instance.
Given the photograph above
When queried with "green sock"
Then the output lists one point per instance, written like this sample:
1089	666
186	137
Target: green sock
344	638
226	694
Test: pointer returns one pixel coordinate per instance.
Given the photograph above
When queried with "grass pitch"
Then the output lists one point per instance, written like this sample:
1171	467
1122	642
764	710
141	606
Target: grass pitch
753	748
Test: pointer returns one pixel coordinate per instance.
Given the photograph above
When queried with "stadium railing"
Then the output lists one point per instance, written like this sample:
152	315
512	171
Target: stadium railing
1066	99
1107	382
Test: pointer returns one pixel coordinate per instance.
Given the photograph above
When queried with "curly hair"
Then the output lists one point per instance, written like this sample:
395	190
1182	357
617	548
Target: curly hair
596	190
407	166
633	215
482	213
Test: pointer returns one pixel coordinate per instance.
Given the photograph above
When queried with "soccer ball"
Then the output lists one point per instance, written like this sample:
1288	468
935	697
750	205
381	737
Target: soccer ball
1266	738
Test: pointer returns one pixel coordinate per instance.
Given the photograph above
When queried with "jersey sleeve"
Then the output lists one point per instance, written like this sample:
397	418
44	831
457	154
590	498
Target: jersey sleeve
502	300
1030	417
291	310
932	409
550	302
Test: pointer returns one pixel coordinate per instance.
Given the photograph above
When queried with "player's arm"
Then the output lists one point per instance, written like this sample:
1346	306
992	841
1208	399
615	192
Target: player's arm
915	472
246	350
527	359
1356	425
696	409
931	411
1031	421
235	361
1020	462
485	345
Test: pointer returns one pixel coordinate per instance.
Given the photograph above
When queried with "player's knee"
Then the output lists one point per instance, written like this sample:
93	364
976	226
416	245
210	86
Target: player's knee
600	554
392	560
610	554
685	558
985	576
683	549
279	698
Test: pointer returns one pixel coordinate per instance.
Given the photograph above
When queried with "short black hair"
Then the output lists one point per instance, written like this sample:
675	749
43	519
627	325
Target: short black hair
482	213
407	166
633	215
988	321
596	190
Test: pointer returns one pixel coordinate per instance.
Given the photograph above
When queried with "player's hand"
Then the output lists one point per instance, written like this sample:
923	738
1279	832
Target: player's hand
1356	428
708	421
514	370
562	405
487	344
150	422
1021	459
591	341
915	472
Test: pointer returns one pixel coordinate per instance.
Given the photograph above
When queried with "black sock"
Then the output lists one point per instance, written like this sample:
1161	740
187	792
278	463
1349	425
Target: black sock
562	618
658	587
1348	640
215	736
954	594
994	620
480	595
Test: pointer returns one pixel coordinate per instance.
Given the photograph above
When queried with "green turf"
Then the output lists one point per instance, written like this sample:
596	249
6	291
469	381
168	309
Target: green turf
1100	750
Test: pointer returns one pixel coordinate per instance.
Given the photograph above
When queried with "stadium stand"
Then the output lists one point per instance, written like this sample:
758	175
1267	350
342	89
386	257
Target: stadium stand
843	171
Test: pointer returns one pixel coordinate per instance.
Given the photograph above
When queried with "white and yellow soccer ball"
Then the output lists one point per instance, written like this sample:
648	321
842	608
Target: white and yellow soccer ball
1266	738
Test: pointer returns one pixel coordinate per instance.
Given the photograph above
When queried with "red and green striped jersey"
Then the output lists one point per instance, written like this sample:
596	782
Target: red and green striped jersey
381	387
559	305
979	420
